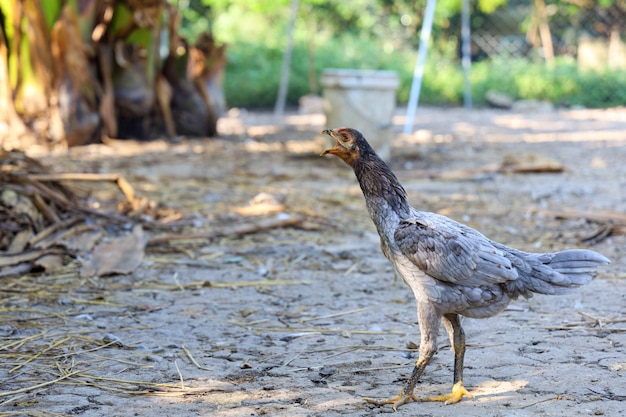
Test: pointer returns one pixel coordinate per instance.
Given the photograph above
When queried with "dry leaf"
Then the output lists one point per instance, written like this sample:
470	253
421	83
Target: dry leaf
50	262
119	256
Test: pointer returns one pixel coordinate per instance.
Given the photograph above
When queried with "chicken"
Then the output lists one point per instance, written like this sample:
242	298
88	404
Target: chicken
452	269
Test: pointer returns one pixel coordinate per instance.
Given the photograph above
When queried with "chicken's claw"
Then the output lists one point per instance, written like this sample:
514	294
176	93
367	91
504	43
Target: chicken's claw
458	392
395	402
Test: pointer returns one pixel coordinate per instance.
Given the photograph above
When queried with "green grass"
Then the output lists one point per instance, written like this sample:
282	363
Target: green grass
253	73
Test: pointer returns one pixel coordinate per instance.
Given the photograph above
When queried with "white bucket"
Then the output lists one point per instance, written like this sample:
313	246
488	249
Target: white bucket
364	100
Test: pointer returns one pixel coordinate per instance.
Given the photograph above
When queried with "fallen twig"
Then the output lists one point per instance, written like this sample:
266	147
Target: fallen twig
242	229
330	316
313	330
612	217
122	184
41	385
180	376
209	284
12	259
188	353
53	228
611	223
598	324
588	328
553	398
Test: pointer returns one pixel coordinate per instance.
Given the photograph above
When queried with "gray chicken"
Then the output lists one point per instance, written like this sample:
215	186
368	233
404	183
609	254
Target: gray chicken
452	269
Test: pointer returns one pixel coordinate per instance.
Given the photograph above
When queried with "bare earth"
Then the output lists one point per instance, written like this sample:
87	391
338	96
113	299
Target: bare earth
308	321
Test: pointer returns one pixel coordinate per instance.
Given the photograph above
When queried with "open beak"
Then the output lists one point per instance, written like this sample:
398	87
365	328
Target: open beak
330	133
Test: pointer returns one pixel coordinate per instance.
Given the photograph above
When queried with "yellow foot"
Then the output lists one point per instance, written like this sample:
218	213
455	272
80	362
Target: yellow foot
458	392
395	401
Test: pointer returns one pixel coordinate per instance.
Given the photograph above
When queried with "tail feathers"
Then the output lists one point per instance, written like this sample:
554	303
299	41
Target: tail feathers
555	273
578	266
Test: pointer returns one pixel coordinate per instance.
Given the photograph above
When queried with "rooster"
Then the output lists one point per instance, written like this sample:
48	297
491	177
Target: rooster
452	269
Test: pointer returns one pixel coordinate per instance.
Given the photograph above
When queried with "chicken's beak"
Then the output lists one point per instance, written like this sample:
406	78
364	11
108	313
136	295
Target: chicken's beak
330	133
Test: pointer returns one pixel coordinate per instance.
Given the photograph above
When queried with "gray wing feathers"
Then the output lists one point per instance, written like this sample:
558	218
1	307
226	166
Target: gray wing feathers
459	255
453	253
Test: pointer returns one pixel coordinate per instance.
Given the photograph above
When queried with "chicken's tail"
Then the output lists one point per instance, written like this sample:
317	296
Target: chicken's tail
553	273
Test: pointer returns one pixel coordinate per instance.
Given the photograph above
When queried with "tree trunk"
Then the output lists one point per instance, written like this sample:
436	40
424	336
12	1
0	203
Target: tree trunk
11	126
73	71
544	32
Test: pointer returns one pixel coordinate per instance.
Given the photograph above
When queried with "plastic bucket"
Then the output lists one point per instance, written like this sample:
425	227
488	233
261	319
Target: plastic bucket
364	100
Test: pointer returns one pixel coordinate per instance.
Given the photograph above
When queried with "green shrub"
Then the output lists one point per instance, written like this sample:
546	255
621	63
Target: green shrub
253	74
564	84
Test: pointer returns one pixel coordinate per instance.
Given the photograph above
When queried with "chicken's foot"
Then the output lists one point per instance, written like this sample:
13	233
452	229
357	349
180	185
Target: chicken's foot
452	323
458	392
406	395
395	402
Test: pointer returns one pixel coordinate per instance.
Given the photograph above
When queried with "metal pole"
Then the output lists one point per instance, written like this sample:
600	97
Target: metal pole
281	97
466	53
418	73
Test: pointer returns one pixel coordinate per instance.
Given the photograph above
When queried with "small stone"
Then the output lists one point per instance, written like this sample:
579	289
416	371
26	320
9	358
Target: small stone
499	100
325	372
112	340
317	379
532	106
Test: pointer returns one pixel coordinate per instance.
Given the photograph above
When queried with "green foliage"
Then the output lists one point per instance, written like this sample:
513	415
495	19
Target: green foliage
252	76
564	84
252	72
485	6
378	34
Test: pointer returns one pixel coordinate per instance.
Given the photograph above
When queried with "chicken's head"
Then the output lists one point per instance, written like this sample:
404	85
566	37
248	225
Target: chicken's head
348	144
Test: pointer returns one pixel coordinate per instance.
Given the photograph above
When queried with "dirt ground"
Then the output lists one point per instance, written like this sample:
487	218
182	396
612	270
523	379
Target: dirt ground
308	320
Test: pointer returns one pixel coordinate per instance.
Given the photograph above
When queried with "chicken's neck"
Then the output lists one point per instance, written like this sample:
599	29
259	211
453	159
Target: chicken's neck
385	198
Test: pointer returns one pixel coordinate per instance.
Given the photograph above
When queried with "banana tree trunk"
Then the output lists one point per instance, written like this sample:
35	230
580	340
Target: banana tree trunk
73	109
11	126
72	71
49	79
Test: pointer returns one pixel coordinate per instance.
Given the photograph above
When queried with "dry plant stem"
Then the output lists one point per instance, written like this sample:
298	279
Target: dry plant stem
122	184
309	330
191	358
599	324
53	228
180	375
588	329
45	209
7	260
613	218
44	190
208	284
38	354
243	229
329	316
41	385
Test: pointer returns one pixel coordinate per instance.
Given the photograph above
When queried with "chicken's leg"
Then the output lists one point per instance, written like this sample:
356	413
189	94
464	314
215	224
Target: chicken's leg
429	322
406	395
452	324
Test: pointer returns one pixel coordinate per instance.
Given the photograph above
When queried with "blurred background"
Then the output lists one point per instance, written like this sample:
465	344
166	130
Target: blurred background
73	71
582	65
